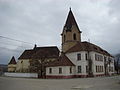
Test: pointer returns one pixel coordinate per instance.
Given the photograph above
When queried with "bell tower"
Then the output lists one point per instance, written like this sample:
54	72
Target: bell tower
71	34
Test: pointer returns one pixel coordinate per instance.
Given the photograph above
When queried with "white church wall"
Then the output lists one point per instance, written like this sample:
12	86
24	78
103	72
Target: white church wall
65	70
83	62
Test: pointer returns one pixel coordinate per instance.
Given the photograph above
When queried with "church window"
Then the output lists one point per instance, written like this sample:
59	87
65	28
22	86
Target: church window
78	56
86	56
50	70
60	70
79	69
70	69
74	36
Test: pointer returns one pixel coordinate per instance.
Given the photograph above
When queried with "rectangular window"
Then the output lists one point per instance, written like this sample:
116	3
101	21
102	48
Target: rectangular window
50	70
79	56
96	69
98	57
60	70
95	56
79	69
70	69
86	56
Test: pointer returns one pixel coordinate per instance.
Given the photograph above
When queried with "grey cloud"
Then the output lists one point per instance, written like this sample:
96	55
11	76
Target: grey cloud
41	22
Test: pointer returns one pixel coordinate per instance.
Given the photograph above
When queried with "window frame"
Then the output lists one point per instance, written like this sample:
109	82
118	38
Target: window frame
60	70
78	56
74	36
50	70
70	70
79	69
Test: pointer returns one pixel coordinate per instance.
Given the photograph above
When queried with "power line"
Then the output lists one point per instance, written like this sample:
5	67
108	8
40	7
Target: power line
15	40
9	44
10	49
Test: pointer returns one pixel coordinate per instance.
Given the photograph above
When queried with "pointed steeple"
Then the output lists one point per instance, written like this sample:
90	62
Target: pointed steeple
71	33
12	61
70	21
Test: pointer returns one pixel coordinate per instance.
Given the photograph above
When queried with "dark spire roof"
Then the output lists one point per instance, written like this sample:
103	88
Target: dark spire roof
70	21
12	61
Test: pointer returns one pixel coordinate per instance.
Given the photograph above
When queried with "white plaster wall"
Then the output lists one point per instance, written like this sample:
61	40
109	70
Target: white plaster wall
35	75
65	70
83	62
98	63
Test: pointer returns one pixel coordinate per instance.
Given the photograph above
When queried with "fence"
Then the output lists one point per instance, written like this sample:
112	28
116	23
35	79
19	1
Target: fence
28	75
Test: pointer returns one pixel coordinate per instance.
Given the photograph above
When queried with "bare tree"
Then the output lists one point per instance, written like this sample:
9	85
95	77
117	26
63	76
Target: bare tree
117	65
39	65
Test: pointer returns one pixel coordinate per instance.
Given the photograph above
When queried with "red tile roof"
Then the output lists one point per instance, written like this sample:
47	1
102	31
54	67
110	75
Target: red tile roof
86	46
12	61
63	60
39	52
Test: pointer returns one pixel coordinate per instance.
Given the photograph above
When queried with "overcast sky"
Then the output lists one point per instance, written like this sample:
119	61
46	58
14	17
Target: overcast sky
42	21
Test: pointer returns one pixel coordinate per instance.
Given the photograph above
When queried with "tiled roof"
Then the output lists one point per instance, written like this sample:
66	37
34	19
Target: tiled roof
26	54
12	61
86	46
63	60
39	52
47	52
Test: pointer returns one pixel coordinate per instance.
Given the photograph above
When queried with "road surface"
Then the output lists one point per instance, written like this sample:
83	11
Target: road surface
97	83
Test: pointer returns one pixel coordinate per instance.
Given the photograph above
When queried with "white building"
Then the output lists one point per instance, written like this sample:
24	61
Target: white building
79	59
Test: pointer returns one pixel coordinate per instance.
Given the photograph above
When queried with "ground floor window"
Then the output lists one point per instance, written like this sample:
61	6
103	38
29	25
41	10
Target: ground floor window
60	70
70	69
50	70
79	69
99	68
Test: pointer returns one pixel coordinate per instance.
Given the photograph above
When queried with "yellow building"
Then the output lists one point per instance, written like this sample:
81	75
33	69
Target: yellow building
29	59
12	65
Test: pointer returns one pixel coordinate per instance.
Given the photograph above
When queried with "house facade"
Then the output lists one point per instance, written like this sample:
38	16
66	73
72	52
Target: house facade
79	59
12	65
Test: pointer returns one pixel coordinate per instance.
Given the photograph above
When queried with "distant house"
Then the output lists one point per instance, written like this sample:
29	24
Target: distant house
27	61
12	65
79	59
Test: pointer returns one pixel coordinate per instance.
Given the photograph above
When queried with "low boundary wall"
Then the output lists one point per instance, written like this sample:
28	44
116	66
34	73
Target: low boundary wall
31	75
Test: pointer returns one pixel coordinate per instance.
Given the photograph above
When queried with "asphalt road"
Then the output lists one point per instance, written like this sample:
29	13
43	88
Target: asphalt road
97	83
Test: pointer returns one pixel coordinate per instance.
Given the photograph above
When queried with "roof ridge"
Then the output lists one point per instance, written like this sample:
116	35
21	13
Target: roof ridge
12	61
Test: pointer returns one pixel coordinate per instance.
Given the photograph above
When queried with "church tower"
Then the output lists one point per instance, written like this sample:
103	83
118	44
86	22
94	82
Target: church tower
71	34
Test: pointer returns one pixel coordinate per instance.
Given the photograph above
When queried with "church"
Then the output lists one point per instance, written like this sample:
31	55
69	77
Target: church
77	58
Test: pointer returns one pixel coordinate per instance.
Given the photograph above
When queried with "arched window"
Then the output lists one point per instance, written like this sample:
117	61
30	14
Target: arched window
74	36
64	38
